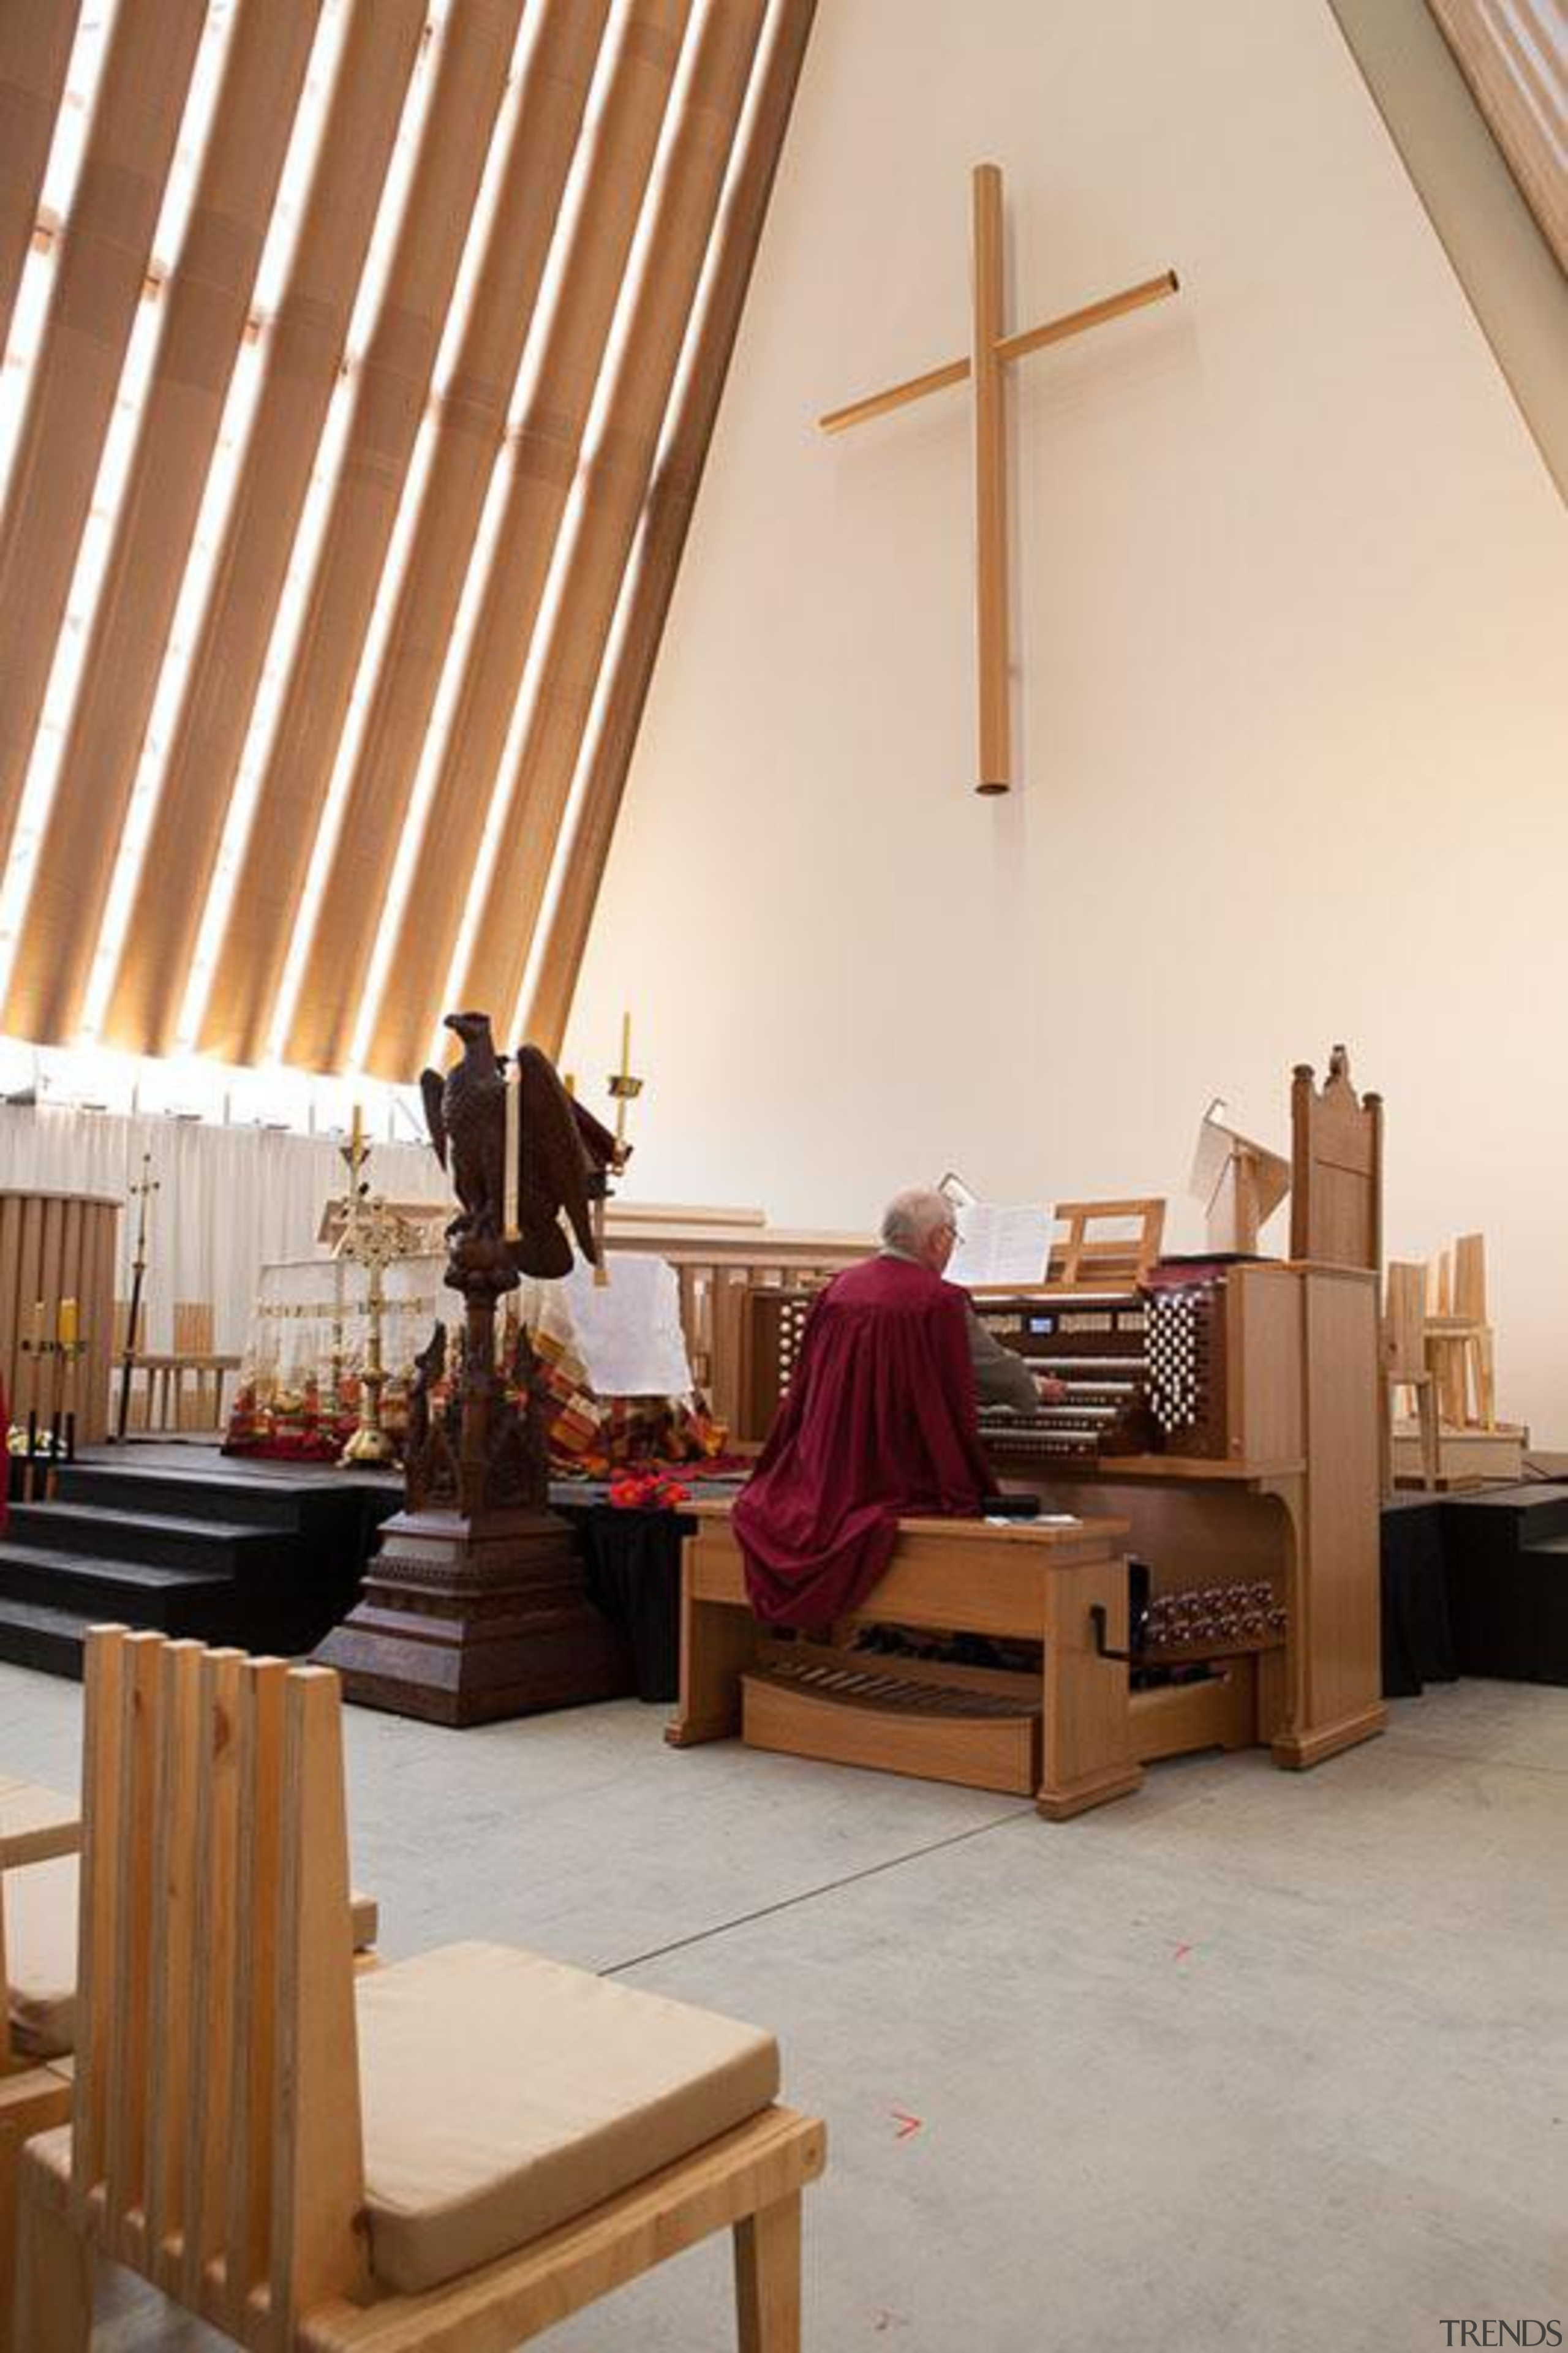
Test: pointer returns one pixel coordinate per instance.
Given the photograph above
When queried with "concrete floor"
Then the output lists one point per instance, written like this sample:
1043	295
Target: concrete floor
1252	2060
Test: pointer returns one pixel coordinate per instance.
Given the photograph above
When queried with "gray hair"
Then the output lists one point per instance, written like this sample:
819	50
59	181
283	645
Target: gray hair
910	1216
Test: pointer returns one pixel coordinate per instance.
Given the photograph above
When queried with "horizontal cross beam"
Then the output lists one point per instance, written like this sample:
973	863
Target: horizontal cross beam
1007	347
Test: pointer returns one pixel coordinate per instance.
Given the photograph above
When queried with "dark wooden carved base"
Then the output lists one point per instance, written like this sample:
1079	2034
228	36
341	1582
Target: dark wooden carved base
466	1621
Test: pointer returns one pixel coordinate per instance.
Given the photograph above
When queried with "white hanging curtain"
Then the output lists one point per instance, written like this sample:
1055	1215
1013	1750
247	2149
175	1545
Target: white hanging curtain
229	1200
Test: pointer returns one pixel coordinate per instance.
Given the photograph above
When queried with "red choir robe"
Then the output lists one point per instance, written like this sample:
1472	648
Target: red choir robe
879	1421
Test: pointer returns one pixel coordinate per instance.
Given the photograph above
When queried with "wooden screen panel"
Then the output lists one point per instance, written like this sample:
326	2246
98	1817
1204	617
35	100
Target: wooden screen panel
307	348
57	1245
546	461
205	308
671	503
469	432
36	38
391	394
106	267
617	487
103	261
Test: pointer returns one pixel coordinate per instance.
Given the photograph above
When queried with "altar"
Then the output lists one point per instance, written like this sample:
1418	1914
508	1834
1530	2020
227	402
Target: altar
610	1376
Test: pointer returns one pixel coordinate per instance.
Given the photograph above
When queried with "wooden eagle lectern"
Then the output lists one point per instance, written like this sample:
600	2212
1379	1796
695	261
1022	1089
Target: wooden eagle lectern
474	1607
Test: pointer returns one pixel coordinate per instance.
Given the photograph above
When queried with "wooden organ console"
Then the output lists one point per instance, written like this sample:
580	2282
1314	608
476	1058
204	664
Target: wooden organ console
1218	1428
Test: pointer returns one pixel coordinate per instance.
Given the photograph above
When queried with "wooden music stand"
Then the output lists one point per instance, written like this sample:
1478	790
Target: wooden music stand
1082	1259
1240	1182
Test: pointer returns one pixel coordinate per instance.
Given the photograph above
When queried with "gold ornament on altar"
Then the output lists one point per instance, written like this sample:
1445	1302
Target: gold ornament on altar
624	1087
374	1237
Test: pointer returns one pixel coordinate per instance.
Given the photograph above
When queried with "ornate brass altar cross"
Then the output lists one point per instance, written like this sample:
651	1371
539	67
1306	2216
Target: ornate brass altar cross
989	353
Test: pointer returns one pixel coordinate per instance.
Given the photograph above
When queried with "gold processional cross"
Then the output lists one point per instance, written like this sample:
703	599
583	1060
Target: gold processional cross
990	351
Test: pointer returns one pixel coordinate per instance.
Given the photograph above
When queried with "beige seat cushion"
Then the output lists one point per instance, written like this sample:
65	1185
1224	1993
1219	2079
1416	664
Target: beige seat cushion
40	1953
40	1956
505	2094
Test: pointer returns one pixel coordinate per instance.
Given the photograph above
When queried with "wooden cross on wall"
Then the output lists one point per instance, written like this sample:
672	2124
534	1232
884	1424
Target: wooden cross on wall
990	353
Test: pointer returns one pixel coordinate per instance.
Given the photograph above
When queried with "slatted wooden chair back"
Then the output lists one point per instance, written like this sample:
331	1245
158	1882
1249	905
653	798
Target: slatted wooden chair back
192	1327
1470	1278
216	2135
1336	1168
1404	1323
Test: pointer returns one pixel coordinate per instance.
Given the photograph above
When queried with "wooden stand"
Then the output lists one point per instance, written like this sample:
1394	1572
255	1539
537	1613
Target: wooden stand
467	1620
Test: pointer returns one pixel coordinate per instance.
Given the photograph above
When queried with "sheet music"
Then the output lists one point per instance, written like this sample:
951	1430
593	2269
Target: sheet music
997	1244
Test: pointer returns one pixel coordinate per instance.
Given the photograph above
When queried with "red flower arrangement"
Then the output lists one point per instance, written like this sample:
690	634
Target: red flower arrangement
647	1491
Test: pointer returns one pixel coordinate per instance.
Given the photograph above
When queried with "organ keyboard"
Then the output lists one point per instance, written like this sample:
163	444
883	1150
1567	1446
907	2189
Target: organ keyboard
1096	1345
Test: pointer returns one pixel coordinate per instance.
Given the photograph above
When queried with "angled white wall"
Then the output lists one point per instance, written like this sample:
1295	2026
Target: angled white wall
1291	687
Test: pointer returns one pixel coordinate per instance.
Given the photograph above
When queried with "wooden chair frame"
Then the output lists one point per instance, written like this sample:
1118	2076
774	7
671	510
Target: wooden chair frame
35	2095
1406	1365
215	2142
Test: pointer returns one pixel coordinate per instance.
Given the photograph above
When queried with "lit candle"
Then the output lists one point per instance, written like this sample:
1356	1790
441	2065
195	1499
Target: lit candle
626	1045
357	1139
65	1324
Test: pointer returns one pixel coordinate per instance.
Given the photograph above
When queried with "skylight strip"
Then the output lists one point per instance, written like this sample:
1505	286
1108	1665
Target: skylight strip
393	571
28	318
483	217
395	189
298	164
267	710
70	645
511	750
195	125
454	668
93	34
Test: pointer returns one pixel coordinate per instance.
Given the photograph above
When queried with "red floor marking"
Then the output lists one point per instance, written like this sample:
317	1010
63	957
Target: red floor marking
906	2124
1183	1951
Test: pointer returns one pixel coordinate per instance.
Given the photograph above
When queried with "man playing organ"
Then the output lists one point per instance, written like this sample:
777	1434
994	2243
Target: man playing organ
880	1421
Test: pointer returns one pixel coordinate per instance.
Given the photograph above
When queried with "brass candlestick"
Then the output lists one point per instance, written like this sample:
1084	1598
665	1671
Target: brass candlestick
68	1346
377	1236
624	1089
141	1193
38	1348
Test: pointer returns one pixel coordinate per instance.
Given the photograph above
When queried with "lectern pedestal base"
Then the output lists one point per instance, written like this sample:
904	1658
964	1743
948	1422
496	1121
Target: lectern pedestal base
468	1621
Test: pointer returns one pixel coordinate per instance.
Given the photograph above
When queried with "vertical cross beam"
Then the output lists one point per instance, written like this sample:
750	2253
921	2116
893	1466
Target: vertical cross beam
990	481
990	353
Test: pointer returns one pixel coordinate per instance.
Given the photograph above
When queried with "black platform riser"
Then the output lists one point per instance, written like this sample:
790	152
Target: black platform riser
167	1543
268	1563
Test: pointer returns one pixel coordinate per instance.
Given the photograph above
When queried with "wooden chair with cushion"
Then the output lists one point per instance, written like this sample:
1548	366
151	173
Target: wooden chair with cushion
39	1882
444	2156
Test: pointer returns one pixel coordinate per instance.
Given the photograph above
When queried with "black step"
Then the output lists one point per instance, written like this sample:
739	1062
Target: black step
1533	1509
1508	1593
196	1495
220	1545
51	1641
137	1592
